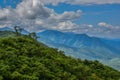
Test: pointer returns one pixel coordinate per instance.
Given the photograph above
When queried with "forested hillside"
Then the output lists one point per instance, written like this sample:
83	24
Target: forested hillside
24	58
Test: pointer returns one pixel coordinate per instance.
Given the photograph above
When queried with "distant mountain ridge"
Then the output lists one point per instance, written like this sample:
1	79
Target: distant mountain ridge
6	29
81	45
75	40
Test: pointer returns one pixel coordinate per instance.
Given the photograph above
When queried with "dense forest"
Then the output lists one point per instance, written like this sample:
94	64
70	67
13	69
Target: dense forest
24	58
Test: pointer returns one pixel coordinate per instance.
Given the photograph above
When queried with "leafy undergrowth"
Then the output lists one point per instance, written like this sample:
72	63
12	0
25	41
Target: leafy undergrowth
23	58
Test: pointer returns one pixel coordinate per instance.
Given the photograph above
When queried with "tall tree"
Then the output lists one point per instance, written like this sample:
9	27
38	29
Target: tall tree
33	35
18	30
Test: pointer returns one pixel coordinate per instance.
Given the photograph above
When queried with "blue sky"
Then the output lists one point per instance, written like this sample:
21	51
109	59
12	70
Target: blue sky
5	3
85	14
109	13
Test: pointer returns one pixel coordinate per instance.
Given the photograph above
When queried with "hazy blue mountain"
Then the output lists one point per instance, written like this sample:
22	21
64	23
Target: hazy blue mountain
6	29
113	42
81	45
78	41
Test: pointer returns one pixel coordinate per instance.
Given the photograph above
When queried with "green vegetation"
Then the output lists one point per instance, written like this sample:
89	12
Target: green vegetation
24	58
18	30
6	34
33	35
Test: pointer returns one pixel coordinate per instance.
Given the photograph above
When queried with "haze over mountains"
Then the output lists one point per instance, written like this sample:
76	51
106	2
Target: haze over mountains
82	46
80	41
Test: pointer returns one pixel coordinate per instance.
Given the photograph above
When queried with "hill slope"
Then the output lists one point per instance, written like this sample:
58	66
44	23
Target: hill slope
23	58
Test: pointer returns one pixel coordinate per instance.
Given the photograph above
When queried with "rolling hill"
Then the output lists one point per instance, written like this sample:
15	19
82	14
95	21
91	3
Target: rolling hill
24	58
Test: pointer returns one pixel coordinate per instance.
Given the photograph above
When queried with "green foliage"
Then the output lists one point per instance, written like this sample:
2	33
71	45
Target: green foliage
18	30
6	34
33	35
23	58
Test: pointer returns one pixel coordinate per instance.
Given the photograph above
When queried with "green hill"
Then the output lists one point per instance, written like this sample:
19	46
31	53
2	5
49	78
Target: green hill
23	58
6	34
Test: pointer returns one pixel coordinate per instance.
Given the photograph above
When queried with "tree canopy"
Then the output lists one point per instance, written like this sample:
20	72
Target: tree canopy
24	58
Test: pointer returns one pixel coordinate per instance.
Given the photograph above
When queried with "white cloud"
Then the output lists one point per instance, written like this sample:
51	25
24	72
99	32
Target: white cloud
103	24
102	30
35	16
32	9
108	26
94	1
33	13
4	13
53	2
70	15
64	16
65	26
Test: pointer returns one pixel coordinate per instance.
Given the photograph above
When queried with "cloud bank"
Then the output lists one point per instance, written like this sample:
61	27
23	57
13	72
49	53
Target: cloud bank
33	15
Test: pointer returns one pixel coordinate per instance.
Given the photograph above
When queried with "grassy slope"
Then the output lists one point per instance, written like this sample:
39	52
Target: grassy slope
23	58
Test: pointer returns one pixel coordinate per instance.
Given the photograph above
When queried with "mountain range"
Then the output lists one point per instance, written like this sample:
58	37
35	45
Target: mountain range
82	46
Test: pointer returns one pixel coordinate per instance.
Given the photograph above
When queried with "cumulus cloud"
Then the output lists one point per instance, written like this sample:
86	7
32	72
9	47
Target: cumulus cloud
4	13
70	15
108	26
33	15
103	24
53	2
109	29
65	26
32	9
64	16
103	29
27	9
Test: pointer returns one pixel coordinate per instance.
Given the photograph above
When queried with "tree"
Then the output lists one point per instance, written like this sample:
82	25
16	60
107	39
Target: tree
18	30
33	35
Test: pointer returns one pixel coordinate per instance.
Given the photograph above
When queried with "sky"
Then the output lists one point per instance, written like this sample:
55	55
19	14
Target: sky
99	18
